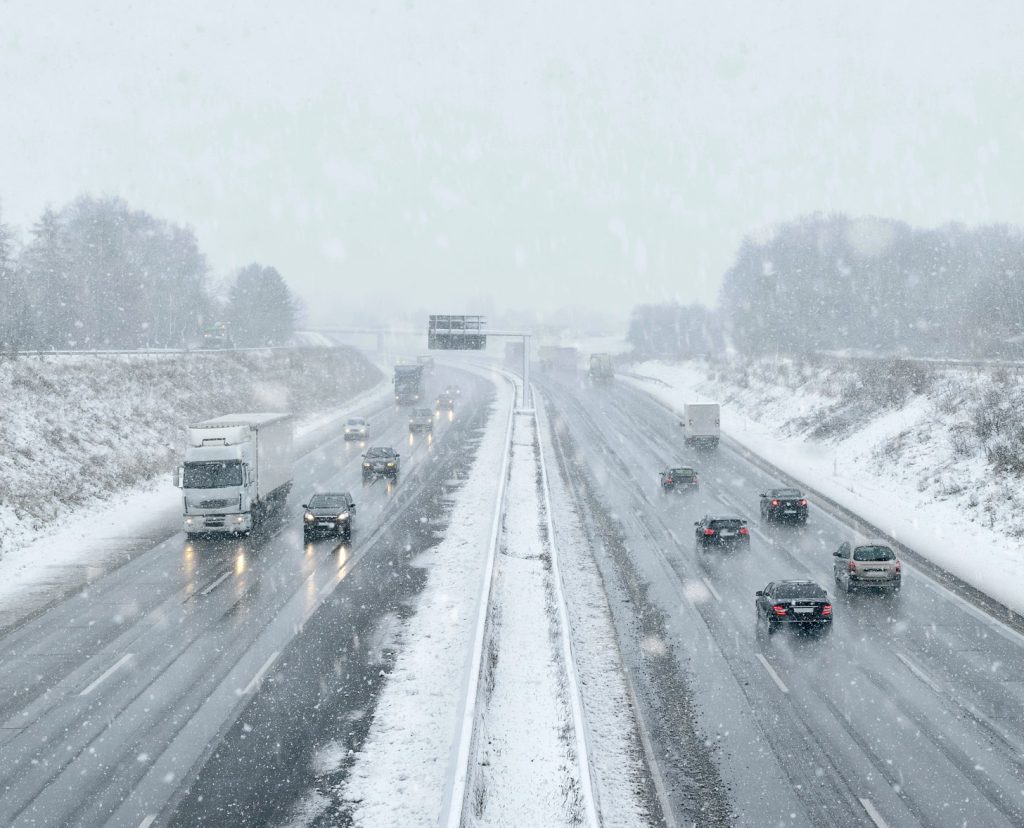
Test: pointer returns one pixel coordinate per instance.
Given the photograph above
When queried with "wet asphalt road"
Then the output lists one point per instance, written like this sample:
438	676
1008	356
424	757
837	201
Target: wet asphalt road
909	712
112	701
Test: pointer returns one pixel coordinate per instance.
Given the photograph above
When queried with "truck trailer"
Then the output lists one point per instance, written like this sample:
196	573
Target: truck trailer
237	469
601	369
408	383
701	424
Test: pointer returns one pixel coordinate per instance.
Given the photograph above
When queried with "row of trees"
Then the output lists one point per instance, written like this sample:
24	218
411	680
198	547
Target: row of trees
98	274
877	285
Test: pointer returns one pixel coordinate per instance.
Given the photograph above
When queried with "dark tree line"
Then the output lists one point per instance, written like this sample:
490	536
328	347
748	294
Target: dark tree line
876	285
98	274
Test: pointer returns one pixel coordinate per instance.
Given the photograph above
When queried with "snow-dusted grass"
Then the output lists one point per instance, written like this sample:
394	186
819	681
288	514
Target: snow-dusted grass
77	431
399	777
926	455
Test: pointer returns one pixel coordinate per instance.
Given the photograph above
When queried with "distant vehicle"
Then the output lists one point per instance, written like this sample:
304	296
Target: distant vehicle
427	362
421	419
601	369
445	402
237	468
216	337
872	565
357	428
680	479
381	461
781	505
720	531
408	382
330	513
701	424
562	358
803	603
453	391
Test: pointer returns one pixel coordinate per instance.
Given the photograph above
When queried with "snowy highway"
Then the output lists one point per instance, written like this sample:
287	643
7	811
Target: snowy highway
909	712
114	698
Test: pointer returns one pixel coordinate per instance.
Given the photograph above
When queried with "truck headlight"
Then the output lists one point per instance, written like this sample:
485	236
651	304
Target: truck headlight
308	516
238	519
343	516
188	521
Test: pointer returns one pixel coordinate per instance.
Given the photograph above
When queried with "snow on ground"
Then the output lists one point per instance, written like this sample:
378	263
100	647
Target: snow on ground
616	756
399	776
910	463
525	770
88	540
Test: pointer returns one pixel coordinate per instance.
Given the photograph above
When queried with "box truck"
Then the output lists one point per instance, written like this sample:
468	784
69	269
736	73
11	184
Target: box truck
601	368
701	424
408	382
237	469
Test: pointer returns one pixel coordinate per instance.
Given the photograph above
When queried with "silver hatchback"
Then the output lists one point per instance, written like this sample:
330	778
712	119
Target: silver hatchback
872	564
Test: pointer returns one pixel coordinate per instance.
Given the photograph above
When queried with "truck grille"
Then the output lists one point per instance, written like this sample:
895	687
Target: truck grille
212	504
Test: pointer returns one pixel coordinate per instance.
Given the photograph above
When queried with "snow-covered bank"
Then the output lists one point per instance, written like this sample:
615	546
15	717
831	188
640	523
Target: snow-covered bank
925	455
78	431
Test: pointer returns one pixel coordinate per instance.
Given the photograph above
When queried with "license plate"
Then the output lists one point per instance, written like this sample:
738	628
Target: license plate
789	512
803	610
325	523
727	533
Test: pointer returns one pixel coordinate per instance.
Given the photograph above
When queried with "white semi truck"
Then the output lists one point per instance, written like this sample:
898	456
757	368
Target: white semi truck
701	424
237	468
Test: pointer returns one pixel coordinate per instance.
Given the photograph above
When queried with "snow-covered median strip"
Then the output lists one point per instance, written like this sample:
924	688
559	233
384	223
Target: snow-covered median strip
855	471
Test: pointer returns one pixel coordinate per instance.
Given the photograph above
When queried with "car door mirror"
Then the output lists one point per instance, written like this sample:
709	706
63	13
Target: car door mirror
305	505
762	495
759	593
838	554
696	523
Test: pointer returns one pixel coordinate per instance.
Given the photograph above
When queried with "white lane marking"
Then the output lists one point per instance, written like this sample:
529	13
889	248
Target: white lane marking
208	589
326	589
711	589
917	671
148	821
772	673
873	813
252	685
674	536
107	674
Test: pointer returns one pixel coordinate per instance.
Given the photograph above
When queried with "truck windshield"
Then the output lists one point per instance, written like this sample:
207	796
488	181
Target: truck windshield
213	474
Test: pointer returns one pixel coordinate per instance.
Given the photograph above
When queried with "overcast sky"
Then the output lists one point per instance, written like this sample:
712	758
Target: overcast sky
464	156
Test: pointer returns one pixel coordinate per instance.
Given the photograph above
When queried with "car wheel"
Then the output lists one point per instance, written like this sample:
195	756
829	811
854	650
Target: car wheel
848	586
773	626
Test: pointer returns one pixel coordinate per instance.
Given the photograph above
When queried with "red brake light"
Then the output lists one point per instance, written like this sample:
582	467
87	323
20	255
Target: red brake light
696	479
897	567
744	530
709	532
826	610
778	609
668	479
803	502
851	567
775	503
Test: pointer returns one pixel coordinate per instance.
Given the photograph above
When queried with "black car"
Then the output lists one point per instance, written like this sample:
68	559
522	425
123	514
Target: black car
722	531
680	479
381	461
445	402
782	505
453	391
803	603
329	513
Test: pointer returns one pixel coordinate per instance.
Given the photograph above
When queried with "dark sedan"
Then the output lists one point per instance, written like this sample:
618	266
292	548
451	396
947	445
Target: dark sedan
803	603
445	402
784	505
329	513
680	479
381	461
721	531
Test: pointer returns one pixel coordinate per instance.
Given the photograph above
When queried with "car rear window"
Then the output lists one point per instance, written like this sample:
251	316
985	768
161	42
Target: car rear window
726	523
873	553
681	473
785	493
810	592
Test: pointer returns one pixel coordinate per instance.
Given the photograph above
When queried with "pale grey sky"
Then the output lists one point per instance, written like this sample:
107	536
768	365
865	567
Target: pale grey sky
452	155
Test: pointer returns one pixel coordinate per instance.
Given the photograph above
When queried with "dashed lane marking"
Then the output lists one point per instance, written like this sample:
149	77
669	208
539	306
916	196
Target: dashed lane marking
917	671
107	674
252	685
211	587
712	589
772	673
873	813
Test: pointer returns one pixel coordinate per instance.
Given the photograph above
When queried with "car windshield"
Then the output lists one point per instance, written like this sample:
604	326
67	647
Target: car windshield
213	474
356	421
726	523
873	553
327	501
380	453
423	412
808	592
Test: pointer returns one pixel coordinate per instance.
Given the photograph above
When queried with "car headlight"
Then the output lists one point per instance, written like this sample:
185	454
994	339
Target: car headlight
343	516
188	521
308	516
366	465
391	465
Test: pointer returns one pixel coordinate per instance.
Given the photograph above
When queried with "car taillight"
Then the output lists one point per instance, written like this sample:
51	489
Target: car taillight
897	567
826	610
709	532
851	567
696	479
775	503
744	530
803	502
668	479
778	609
